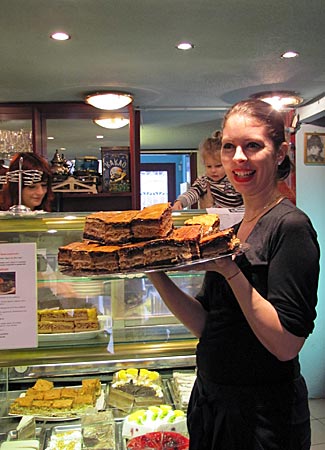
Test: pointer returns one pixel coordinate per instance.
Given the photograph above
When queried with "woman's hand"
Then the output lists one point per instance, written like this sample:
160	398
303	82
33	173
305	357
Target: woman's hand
226	266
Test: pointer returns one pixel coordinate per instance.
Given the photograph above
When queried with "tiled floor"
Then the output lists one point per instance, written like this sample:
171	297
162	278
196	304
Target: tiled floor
317	411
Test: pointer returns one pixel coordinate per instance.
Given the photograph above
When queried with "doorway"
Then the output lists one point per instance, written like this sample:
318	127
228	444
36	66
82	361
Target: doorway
157	183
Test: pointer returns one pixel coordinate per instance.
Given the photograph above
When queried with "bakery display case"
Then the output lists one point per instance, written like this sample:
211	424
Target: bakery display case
135	325
136	330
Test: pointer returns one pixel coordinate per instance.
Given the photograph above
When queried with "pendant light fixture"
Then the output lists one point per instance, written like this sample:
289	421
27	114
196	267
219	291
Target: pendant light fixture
112	123
109	100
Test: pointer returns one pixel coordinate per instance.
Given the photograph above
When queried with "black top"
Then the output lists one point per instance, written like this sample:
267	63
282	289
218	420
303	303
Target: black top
283	266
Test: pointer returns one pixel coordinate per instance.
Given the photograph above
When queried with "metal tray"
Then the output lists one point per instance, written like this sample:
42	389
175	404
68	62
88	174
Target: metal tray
77	428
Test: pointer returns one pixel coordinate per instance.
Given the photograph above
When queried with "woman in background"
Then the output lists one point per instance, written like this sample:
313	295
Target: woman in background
36	196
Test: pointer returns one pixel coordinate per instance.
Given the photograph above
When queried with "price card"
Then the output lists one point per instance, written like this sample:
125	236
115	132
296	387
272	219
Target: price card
18	296
228	216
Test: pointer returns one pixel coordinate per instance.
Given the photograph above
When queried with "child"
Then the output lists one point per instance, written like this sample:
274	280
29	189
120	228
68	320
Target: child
212	189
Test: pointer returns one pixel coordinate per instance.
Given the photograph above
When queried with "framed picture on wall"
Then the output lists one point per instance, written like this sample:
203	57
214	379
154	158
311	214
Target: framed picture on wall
314	148
116	169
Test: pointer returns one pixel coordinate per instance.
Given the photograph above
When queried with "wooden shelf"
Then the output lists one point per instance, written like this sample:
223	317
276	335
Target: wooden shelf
103	201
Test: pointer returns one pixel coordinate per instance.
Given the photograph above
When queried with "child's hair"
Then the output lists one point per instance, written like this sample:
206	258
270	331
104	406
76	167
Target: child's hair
211	146
31	161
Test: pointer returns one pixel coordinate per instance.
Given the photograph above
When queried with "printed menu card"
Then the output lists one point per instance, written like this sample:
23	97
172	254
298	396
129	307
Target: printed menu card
18	296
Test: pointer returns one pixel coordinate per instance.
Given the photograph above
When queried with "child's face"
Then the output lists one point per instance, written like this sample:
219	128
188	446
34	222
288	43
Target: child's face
213	168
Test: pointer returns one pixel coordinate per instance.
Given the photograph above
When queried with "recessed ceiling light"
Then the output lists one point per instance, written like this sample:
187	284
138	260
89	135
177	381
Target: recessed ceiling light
60	36
184	46
50	138
289	54
100	136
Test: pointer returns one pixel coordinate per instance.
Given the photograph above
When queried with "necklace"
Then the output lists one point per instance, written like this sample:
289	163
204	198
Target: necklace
274	202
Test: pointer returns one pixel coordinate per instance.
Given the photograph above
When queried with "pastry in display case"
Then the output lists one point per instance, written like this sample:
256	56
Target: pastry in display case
92	326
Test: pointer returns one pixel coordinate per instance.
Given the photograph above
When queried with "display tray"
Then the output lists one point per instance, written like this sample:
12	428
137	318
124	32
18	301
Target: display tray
69	437
67	415
239	249
72	337
176	400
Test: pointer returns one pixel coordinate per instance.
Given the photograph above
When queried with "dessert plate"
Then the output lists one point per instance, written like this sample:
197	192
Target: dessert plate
58	337
68	415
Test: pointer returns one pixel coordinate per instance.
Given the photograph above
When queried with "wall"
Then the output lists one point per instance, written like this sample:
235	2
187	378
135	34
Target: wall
310	198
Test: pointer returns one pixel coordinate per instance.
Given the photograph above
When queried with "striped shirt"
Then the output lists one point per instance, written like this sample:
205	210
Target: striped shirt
223	193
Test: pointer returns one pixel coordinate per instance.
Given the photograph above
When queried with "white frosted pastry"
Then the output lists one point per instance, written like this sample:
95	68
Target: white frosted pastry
65	440
155	418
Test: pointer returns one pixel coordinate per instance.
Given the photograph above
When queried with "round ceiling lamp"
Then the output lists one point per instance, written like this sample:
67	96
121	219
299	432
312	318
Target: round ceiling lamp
279	99
112	123
109	100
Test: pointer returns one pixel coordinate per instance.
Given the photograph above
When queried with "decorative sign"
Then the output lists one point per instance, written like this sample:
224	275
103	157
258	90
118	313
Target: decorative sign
18	299
116	169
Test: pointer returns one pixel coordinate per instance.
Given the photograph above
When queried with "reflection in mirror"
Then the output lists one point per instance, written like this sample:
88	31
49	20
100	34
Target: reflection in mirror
81	137
15	136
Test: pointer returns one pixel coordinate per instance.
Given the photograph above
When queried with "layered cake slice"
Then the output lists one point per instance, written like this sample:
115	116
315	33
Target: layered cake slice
209	222
152	222
218	243
67	320
131	256
133	388
112	227
105	257
80	257
65	252
190	235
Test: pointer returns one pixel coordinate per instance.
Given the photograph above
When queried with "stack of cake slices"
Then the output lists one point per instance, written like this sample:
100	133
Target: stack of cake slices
46	400
146	239
67	320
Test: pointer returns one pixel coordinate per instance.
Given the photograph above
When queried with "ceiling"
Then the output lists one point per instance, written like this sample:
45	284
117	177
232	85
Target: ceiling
129	45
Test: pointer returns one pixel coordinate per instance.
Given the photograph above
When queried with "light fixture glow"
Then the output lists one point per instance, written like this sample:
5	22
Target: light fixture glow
185	46
113	123
109	100
279	100
99	136
50	138
290	54
60	36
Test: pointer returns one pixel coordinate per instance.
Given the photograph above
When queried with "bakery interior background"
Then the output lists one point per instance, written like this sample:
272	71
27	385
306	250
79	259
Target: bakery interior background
181	95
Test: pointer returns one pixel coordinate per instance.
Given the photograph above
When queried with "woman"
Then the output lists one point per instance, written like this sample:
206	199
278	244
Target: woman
36	196
254	311
212	189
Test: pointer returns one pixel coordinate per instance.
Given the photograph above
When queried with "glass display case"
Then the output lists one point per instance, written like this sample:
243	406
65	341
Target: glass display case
136	328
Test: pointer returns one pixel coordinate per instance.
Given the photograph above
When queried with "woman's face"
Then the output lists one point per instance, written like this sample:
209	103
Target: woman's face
32	196
248	155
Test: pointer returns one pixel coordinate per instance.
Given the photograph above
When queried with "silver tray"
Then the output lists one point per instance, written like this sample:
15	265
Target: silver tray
77	428
136	272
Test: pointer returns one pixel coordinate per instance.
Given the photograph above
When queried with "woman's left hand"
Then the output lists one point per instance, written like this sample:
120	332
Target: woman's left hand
225	266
